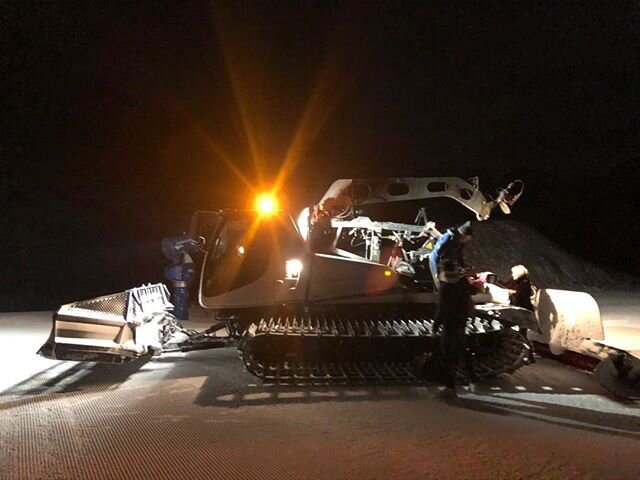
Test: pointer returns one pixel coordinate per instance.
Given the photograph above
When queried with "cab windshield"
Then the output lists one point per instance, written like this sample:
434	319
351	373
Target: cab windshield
243	251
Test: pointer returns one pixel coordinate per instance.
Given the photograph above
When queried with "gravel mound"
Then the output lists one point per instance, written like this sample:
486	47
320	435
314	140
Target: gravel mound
500	244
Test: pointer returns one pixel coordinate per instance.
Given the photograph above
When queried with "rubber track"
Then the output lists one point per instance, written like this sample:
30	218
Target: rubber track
346	349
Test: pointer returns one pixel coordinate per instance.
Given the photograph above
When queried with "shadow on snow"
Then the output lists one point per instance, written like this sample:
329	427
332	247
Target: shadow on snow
547	391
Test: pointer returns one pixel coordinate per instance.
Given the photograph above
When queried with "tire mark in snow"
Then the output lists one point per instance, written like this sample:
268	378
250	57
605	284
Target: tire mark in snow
570	422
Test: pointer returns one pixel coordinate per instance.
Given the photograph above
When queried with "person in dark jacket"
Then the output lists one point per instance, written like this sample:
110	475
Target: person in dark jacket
449	247
520	289
454	306
521	293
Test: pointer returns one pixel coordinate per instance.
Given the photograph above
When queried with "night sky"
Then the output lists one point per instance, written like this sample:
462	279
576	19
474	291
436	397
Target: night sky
121	118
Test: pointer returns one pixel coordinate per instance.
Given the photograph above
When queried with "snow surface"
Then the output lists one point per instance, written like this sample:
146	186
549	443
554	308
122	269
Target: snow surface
621	319
199	415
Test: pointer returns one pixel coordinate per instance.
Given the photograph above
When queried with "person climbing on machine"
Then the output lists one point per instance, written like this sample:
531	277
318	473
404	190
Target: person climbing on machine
521	293
520	288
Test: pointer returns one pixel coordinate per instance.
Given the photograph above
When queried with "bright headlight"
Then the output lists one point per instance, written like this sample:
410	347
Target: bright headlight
293	268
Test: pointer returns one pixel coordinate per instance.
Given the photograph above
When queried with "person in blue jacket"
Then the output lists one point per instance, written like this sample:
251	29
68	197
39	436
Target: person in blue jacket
450	247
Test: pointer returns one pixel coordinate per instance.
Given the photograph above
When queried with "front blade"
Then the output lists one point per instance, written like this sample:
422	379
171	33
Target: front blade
567	319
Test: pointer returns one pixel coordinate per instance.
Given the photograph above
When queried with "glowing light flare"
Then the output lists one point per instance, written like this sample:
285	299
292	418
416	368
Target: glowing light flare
387	273
207	140
346	55
266	204
244	79
293	268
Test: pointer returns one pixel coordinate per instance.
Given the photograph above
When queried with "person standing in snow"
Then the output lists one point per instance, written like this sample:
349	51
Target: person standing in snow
449	247
454	306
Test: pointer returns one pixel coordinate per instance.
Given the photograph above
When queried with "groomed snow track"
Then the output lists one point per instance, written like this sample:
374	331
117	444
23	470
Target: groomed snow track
199	415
